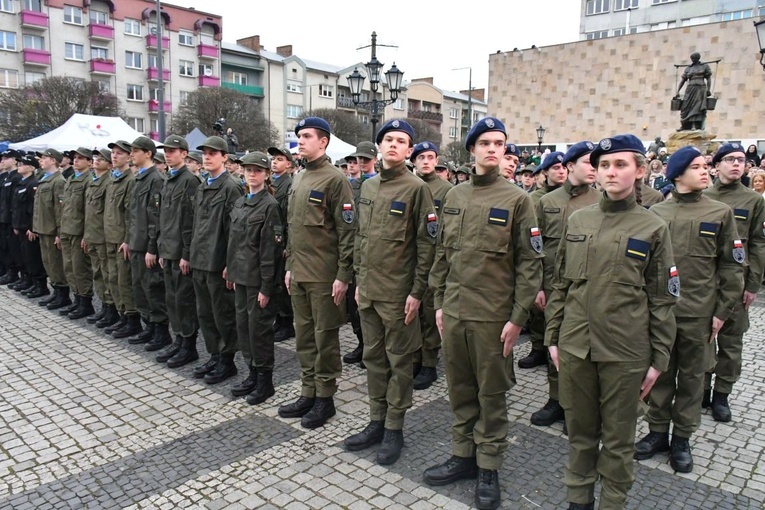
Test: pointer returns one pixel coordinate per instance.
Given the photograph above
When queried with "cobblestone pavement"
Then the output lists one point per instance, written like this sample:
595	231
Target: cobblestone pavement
87	421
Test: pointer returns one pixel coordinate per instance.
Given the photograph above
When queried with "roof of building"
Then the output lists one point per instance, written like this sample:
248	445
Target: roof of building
461	97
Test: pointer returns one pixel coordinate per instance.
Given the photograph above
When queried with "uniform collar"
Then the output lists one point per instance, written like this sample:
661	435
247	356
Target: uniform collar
432	176
252	199
608	205
575	191
316	163
216	181
144	172
486	179
720	186
387	174
693	196
173	173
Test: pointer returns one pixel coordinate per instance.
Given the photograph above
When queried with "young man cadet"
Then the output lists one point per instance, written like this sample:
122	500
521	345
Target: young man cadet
510	161
45	224
392	258
94	238
485	277
366	157
116	219
704	240
425	158
526	179
77	265
21	221
66	164
176	226
215	299
281	163
749	212
553	211
194	163
322	224
9	244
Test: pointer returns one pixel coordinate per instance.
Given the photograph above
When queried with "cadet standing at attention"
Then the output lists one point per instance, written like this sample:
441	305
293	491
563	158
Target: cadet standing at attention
21	221
322	223
486	274
253	249
710	259
45	224
9	243
617	331
553	211
425	158
209	243
176	226
749	212
510	161
393	254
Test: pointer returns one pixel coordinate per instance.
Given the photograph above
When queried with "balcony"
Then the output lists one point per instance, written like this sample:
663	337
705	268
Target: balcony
34	19
101	66
209	81
250	90
153	74
151	42
36	57
154	106
154	135
207	51
427	116
101	32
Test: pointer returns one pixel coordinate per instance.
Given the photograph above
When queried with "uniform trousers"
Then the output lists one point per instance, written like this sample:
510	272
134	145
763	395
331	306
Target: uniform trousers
9	247
148	289
600	400
180	299
255	328
281	298
77	266
431	338
677	394
730	345
479	378
53	260
317	337
30	254
389	347
120	280
98	262
216	312
353	310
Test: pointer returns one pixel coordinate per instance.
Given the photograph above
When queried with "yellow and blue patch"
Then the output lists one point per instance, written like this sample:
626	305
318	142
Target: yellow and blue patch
637	249
741	214
498	216
316	197
397	208
708	229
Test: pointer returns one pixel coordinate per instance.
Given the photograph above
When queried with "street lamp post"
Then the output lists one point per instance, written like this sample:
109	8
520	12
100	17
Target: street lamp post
759	26
393	77
540	137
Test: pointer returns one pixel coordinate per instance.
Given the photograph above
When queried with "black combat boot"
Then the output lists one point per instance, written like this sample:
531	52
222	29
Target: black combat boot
84	309
111	316
371	435
132	327
355	355
186	355
264	388
144	335
706	398
170	351
25	284
62	300
247	385
651	444
51	298
536	358
97	316
10	276
202	370
224	369
40	289
390	449
680	457
285	330
552	412
487	494
298	408
425	378
121	322
72	307
581	506
720	408
456	468
416	367
160	339
323	409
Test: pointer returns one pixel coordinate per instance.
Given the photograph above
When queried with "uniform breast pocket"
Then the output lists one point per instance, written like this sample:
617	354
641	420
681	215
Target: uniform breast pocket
255	226
168	201
365	216
396	220
577	248
315	209
45	194
118	197
553	226
143	197
495	233
703	242
631	260
451	220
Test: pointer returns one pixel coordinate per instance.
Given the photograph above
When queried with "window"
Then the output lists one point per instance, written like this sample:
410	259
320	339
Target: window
238	78
132	27
72	15
205	70
33	42
99	17
452	113
154	124
657	2
31	5
364	119
326	91
207	38
9	78
620	31
620	5
732	16
294	111
294	86
153	29
133	60
97	52
154	94
184	96
663	25
136	123
7	41
186	68
597	6
398	104
600	34
104	86
153	62
452	132
74	51
6	5
185	38
30	78
135	93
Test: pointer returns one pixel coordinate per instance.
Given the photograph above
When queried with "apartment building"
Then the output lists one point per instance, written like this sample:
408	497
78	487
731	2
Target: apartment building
115	44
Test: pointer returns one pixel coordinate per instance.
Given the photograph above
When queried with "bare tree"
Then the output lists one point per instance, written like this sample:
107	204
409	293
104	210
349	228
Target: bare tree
345	125
455	153
424	131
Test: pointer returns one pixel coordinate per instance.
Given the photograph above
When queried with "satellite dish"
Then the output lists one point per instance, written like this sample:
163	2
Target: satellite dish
208	71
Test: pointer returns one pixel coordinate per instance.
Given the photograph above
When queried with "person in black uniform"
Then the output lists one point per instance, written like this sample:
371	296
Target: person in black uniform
22	210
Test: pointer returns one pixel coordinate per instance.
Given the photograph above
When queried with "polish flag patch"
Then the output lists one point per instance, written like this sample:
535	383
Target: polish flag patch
535	232
431	217
347	207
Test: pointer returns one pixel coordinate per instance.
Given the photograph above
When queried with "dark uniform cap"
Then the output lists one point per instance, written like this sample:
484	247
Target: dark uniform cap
725	149
531	167
53	153
484	126
442	165
578	150
215	143
512	149
464	169
394	125
120	144
423	147
195	156
104	153
233	158
276	151
365	150
28	159
10	153
313	122
255	158
159	158
144	143
680	161
618	143
552	159
342	162
85	153
175	142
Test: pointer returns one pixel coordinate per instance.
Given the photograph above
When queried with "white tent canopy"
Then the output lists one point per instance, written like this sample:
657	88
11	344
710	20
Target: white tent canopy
90	131
338	149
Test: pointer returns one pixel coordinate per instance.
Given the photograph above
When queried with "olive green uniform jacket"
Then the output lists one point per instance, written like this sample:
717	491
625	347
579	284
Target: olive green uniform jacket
438	188
95	196
143	228
73	205
117	205
649	196
176	215
46	219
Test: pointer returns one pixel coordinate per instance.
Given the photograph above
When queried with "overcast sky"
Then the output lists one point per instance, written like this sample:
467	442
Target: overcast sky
433	37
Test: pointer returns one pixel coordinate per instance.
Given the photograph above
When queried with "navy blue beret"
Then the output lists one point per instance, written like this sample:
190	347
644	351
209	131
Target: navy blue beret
578	150
395	125
512	149
313	122
552	159
725	149
484	126
423	147
618	143
680	160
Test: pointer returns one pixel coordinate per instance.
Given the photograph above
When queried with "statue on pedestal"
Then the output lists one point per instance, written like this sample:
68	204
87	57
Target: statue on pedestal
693	111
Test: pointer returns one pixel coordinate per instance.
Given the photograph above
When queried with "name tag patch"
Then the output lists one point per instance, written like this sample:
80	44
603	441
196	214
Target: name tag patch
576	238
637	249
741	214
451	210
397	208
708	229
552	209
316	197
498	216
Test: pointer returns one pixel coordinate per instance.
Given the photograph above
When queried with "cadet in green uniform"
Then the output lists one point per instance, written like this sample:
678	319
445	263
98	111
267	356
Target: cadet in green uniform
486	274
749	212
650	196
21	221
617	331
425	157
555	174
119	191
209	243
462	174
510	160
160	164
709	258
321	222
553	211
281	164
253	250
392	257
94	239
194	163
77	265
45	224
176	226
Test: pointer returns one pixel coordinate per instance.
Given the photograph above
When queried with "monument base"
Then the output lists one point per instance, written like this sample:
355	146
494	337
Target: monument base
698	138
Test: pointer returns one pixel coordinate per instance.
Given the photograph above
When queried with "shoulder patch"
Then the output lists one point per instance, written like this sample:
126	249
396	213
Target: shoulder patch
536	239
348	214
673	283
739	255
432	224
